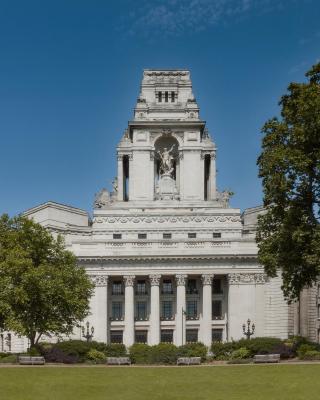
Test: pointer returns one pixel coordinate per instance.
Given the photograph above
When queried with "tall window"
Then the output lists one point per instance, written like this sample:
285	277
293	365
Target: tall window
141	287
117	287
191	335
173	97
216	286
125	168
167	286
166	336
217	309
160	97
117	310
141	336
167	311
116	336
166	97
192	286
192	309
141	310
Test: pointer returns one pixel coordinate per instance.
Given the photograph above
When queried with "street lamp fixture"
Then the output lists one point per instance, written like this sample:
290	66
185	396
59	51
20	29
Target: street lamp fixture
250	331
86	333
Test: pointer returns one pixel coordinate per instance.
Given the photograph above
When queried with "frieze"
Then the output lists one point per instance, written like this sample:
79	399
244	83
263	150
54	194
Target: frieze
166	219
99	280
246	278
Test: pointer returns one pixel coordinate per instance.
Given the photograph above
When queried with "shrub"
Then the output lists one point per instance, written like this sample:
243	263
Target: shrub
164	353
222	351
140	353
57	355
240	354
305	348
310	355
285	351
78	347
33	351
193	350
8	359
98	357
260	345
115	350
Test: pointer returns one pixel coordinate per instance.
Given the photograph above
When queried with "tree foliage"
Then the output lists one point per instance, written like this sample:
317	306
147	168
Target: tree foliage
288	233
43	291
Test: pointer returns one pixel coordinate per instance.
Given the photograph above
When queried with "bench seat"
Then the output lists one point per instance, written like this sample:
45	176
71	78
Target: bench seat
29	360
189	361
266	358
118	361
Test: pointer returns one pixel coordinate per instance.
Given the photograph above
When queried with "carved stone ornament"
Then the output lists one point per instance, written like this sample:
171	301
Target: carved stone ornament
246	278
121	155
181	279
99	280
155	280
204	153
170	219
207	279
102	199
129	280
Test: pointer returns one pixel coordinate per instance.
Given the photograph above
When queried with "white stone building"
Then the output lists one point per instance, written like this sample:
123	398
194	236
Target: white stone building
171	260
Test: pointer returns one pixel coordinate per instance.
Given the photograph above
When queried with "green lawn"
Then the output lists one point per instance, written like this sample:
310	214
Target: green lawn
197	383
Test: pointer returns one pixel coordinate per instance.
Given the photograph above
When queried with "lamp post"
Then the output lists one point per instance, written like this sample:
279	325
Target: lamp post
86	333
250	331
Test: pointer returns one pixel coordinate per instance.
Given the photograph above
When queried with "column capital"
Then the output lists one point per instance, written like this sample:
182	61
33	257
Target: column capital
207	279
181	279
99	280
129	280
154	279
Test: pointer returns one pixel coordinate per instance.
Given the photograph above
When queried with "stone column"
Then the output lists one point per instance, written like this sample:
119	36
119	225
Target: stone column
206	325
99	308
128	334
155	310
181	309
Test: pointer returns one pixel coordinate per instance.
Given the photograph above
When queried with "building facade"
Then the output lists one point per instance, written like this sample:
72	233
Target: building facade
170	259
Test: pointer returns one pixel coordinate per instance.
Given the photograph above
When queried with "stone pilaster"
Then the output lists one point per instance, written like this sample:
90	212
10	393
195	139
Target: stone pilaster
181	309
128	334
99	308
155	309
206	323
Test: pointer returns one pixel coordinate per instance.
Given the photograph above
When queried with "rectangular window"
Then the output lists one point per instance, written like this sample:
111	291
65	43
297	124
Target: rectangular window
160	97
216	286
116	336
117	310
192	309
191	335
141	337
166	97
141	287
141	310
217	309
166	336
167	286
173	97
192	286
167	236
216	234
192	235
217	335
117	236
117	288
167	310
142	236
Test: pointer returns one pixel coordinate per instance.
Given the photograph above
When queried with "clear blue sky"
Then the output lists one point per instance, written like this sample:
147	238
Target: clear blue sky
70	74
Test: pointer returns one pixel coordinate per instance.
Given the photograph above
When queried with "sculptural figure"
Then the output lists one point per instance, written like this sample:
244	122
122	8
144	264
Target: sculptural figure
102	198
166	158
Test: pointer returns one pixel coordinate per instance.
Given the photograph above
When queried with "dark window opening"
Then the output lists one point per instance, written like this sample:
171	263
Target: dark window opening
160	97
173	97
207	162
167	286
116	310
191	335
192	286
192	235
217	335
116	336
216	286
166	97
217	309
125	165
141	336
141	287
117	236
142	236
166	336
141	310
117	288
216	235
192	309
167	236
167	310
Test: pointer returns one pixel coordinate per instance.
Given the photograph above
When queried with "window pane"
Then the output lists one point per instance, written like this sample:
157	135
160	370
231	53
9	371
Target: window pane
192	286
117	287
216	286
141	287
192	309
216	309
116	336
142	236
192	235
167	236
141	336
217	335
167	286
117	236
191	335
167	309
116	310
141	310
166	336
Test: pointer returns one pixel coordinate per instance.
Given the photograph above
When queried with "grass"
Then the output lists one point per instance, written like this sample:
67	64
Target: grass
270	382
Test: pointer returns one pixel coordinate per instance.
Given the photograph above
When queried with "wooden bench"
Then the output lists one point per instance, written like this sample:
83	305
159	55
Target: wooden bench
189	361
28	360
266	358
118	361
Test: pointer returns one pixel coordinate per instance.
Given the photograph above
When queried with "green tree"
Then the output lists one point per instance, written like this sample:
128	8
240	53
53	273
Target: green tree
288	234
43	291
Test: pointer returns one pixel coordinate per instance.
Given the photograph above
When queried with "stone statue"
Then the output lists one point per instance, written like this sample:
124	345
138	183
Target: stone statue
115	185
166	158
224	197
102	199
